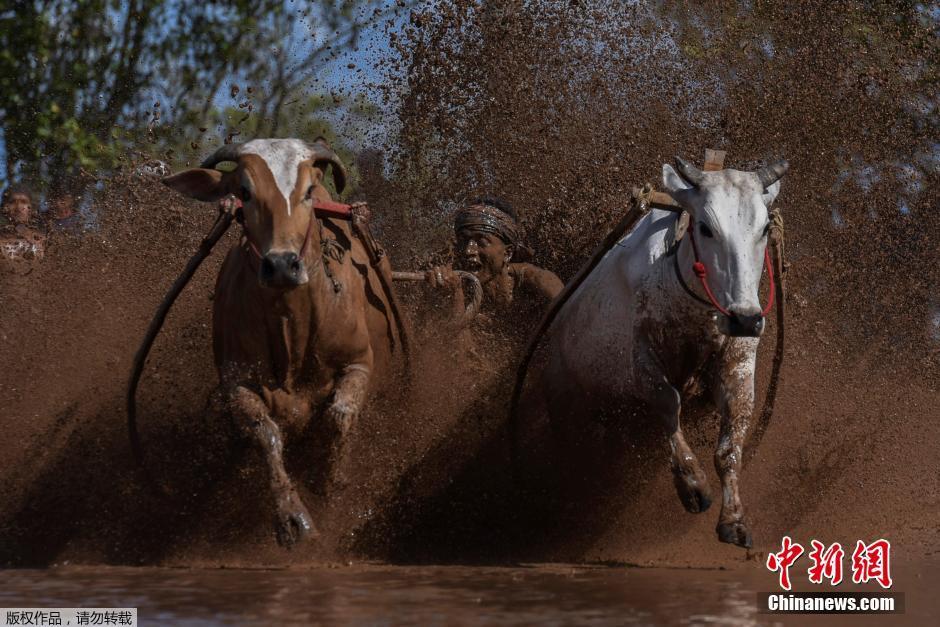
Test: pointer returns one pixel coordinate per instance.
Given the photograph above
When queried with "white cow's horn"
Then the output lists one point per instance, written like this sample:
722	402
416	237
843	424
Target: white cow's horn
692	175
770	174
228	152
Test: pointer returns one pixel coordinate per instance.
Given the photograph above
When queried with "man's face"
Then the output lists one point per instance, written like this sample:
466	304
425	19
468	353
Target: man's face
20	209
482	253
63	207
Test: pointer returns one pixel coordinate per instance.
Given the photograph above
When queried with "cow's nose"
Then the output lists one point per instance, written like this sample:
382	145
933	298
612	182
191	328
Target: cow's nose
745	325
282	270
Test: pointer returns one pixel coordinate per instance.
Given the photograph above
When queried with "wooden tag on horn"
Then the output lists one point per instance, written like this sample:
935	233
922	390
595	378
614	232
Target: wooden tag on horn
714	160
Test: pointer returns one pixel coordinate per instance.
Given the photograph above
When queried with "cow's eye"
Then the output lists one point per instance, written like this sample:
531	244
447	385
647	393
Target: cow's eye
309	193
704	230
246	194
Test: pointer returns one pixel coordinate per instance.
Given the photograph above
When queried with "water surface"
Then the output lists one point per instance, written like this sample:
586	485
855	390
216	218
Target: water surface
444	595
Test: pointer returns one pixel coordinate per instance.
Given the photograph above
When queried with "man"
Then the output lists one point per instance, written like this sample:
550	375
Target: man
20	237
62	216
473	359
17	206
489	243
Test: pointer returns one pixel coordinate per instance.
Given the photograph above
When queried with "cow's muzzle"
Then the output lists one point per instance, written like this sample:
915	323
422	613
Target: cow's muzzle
745	325
282	270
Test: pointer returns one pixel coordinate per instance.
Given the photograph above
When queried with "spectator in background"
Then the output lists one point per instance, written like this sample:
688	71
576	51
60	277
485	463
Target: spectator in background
62	216
17	206
20	235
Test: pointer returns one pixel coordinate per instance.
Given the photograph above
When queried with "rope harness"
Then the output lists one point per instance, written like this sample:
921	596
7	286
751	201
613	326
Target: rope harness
321	209
701	271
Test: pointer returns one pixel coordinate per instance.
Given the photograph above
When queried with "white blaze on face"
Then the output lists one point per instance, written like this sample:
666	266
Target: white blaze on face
283	157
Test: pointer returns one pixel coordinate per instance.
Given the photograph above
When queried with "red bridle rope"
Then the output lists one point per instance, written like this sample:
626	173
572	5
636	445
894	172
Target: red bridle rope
702	273
321	209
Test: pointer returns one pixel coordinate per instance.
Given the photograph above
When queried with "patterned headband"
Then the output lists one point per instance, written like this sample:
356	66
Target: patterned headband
491	220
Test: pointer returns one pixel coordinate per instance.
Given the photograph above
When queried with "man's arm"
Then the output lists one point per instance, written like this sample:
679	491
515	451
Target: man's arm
543	281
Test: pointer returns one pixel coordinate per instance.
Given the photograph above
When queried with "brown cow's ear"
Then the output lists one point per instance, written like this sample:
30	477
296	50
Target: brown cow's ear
199	183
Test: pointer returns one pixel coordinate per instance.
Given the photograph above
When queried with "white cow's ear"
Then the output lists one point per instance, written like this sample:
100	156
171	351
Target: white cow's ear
681	190
770	193
672	182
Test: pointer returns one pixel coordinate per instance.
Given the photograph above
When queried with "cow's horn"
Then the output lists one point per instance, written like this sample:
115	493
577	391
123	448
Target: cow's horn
322	152
689	172
228	152
770	174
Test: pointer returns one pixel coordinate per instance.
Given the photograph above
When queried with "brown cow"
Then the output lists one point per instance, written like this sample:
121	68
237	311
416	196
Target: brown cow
300	319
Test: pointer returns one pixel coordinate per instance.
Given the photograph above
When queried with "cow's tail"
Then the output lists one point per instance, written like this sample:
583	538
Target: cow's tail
221	225
641	201
763	420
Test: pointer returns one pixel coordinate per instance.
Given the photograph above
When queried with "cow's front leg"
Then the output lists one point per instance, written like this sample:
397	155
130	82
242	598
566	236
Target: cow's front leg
736	403
687	473
293	522
349	396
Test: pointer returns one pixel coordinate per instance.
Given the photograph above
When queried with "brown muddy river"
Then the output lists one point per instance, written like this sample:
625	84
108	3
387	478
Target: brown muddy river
444	595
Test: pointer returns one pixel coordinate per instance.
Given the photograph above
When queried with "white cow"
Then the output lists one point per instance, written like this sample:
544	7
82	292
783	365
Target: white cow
633	334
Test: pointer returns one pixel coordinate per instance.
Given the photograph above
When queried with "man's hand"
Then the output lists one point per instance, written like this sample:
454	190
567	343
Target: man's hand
445	281
443	277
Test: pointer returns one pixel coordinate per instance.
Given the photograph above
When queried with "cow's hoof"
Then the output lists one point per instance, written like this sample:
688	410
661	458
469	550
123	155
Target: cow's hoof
294	527
293	523
694	494
341	416
735	533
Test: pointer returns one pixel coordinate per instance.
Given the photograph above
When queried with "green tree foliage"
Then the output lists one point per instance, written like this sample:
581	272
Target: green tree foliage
81	81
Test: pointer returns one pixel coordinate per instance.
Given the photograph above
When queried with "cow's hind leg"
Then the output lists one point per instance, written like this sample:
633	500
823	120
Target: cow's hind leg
688	476
293	522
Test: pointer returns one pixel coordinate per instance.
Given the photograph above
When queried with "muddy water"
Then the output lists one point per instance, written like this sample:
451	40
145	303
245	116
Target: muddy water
452	595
